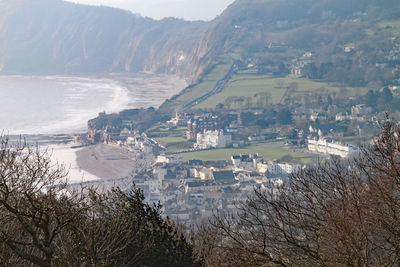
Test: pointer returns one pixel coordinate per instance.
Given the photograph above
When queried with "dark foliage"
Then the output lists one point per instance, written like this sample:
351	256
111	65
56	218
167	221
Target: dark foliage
337	213
44	222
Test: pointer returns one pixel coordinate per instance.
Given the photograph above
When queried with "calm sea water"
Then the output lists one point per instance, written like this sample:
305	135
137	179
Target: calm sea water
63	104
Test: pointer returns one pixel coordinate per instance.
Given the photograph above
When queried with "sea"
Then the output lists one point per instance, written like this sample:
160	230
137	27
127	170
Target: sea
52	105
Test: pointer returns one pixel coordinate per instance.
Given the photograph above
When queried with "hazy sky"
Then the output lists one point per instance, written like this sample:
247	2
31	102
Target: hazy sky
187	9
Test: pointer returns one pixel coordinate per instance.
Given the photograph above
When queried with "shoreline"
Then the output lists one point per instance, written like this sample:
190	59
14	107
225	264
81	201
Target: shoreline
99	162
81	102
96	163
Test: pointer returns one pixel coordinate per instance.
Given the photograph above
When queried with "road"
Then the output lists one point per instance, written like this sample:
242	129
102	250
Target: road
218	88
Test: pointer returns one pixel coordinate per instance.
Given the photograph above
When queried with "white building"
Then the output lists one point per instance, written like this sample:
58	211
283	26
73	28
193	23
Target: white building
341	117
360	110
180	119
278	168
170	159
330	148
246	162
212	139
316	116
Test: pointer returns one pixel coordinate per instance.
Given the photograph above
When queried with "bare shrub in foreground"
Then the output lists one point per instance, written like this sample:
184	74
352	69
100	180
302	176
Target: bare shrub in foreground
338	213
35	205
44	223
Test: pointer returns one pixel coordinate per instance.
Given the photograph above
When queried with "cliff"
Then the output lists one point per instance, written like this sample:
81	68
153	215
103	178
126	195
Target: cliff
52	36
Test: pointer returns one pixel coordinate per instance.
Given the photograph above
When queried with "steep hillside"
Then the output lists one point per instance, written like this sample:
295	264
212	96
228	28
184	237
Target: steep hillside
353	43
249	25
347	37
52	36
344	39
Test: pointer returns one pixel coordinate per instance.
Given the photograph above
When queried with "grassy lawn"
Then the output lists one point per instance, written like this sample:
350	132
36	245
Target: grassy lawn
394	24
174	140
164	130
206	85
248	85
269	153
165	141
174	143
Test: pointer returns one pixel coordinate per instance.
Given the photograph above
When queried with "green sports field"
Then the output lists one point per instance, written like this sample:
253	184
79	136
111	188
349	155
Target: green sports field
249	85
268	152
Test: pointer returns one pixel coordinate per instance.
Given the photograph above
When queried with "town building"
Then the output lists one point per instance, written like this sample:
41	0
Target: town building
170	159
180	119
329	147
212	139
360	110
341	117
246	162
201	124
274	168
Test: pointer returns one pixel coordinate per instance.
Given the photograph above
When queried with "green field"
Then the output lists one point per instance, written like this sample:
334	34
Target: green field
172	138
164	130
389	26
165	141
394	26
174	143
206	85
268	152
248	85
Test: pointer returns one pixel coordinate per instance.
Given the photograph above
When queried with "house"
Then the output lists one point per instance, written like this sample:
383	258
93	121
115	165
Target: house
278	168
212	139
201	186
125	133
170	159
360	110
317	116
201	124
180	119
341	117
225	178
203	173
296	71
246	162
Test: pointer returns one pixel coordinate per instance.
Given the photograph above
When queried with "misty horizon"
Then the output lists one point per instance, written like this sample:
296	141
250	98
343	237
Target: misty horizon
190	10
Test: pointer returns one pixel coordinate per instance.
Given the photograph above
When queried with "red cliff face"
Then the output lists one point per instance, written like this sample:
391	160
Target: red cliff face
78	39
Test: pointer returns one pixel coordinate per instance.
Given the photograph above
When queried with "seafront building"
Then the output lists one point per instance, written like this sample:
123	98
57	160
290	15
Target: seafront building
330	147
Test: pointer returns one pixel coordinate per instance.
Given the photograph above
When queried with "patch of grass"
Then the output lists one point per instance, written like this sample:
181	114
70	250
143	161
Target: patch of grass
174	144
206	85
391	25
269	153
248	85
369	32
165	131
166	141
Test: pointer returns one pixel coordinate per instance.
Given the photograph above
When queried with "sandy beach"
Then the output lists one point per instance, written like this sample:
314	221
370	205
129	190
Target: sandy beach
66	155
106	161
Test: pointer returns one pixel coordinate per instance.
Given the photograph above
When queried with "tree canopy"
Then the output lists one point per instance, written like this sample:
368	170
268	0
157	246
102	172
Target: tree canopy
45	222
336	213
